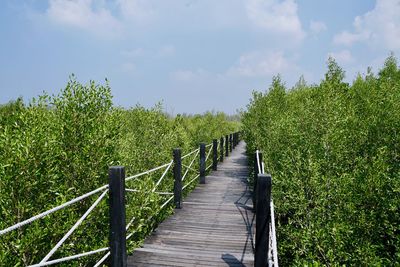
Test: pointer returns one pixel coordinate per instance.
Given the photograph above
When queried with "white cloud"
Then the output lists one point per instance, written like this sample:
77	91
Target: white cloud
317	27
139	11
187	75
126	17
276	16
255	64
342	57
347	38
96	16
380	26
261	63
84	14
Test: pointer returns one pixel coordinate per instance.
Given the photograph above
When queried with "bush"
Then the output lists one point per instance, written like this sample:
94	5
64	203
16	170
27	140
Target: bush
59	147
333	152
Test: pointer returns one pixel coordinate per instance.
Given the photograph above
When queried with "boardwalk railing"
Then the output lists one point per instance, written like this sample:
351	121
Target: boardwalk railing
116	189
266	253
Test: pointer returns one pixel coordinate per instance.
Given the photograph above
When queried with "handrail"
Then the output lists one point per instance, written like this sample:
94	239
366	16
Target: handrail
50	211
166	202
146	172
191	181
45	261
140	191
102	259
209	167
209	152
162	176
73	228
259	162
191	163
70	257
106	188
190	153
274	247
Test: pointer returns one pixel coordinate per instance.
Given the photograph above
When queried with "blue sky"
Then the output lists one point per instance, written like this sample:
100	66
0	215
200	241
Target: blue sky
193	55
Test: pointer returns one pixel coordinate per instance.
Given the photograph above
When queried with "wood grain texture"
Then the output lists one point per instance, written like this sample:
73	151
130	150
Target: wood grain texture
214	227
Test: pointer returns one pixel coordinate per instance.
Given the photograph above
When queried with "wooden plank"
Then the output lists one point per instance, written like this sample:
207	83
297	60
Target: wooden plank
215	226
180	252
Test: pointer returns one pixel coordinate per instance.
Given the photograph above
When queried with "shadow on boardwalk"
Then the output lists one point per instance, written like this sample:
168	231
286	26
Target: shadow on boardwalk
215	226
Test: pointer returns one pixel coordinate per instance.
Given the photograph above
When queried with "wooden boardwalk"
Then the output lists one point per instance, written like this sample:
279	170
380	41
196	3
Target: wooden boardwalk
215	226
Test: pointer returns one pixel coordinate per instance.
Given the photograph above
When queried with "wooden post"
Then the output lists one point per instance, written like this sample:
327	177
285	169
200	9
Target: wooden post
177	178
221	156
202	165
230	143
263	216
215	154
234	140
117	235
256	172
226	145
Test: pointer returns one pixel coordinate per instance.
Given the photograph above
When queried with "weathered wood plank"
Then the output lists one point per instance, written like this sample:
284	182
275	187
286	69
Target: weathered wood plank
214	227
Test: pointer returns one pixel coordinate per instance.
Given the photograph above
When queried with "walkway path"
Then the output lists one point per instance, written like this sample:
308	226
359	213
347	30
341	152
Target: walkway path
214	227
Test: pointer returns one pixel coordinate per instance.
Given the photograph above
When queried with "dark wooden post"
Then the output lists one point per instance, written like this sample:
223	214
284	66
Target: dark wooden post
221	156
177	178
263	216
202	168
256	172
215	154
226	145
230	143
117	235
234	140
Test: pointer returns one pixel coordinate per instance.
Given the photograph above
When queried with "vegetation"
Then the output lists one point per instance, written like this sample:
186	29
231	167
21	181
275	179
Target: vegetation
333	150
59	147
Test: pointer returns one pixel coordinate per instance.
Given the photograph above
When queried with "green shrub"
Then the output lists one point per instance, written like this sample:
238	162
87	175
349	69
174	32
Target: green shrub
59	147
333	152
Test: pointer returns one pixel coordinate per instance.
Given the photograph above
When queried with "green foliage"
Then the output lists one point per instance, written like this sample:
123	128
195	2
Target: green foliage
333	150
59	147
207	127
